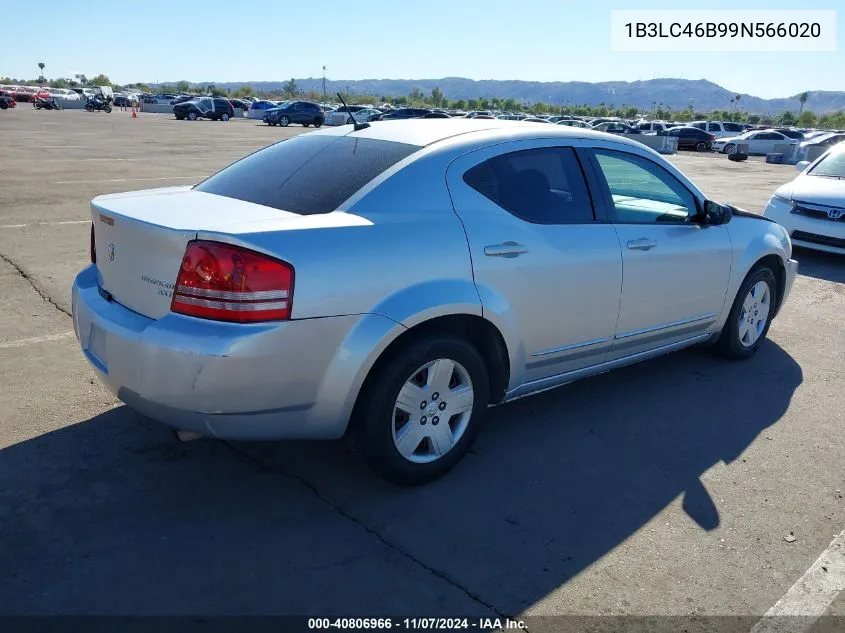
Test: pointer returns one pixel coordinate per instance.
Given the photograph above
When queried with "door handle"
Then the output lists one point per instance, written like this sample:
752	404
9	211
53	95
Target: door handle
505	249
642	244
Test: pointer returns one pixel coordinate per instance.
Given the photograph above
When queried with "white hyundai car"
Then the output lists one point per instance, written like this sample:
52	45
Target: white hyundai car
758	141
812	207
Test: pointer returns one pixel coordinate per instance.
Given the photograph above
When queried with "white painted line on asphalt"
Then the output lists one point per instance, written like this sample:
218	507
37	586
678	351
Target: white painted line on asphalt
73	182
36	339
810	597
19	226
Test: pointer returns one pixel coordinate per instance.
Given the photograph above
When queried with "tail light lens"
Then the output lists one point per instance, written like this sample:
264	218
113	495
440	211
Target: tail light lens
712	137
229	283
93	246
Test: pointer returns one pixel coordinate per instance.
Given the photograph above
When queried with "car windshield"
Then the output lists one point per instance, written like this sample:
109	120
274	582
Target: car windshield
832	166
307	174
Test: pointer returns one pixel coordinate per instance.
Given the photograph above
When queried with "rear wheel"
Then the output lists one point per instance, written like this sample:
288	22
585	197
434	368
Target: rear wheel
224	116
306	124
192	116
180	117
107	109
284	121
701	146
318	122
421	410
750	316
89	107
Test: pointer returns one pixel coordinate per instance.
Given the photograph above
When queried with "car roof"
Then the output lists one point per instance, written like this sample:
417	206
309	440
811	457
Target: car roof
430	131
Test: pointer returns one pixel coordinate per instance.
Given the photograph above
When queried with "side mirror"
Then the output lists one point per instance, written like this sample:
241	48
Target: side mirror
716	213
802	165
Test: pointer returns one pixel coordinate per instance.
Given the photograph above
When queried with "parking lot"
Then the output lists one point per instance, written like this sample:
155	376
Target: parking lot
662	489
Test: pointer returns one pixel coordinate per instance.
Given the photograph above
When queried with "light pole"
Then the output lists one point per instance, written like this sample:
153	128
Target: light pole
324	84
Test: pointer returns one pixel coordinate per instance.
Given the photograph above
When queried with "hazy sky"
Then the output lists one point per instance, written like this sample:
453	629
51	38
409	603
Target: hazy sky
543	40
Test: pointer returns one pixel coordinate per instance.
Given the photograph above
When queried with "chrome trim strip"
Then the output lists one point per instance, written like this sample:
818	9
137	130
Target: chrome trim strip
226	305
566	348
664	326
227	294
543	384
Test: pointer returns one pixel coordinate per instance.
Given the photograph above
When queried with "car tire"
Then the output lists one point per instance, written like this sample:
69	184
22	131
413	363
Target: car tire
744	331
701	146
318	122
284	121
306	125
379	419
224	117
730	148
191	116
349	120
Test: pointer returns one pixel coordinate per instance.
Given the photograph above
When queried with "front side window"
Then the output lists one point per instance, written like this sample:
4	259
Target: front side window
642	191
541	186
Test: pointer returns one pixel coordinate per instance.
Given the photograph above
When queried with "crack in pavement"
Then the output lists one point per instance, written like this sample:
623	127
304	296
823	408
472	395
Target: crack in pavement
371	530
41	292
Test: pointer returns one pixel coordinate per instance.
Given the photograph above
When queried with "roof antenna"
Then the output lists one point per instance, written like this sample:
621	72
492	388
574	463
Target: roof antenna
355	124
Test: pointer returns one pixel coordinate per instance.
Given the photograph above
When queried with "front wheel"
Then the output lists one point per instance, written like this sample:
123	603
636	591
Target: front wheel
421	410
36	105
89	108
730	148
284	121
750	316
192	116
107	109
224	117
180	117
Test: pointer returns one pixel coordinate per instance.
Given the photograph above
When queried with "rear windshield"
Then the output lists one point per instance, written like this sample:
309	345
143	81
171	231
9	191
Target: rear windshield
308	173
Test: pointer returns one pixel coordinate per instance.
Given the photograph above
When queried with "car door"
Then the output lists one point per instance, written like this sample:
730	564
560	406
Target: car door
715	129
675	270
543	256
205	106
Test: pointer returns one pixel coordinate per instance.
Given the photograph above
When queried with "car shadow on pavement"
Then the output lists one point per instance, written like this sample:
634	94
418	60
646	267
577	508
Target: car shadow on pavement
820	264
113	516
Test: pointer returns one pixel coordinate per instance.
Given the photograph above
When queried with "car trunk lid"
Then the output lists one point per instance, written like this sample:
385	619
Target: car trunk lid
141	239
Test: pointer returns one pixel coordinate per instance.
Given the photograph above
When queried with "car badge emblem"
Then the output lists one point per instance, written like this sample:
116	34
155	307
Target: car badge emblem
835	214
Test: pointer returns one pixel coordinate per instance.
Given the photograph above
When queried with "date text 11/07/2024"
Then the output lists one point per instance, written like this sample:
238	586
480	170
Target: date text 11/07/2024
413	624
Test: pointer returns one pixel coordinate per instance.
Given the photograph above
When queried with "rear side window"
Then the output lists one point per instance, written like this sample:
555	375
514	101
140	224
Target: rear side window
732	127
307	174
541	186
714	127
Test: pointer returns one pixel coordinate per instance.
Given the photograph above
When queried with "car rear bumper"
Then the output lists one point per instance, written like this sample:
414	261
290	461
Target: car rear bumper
294	379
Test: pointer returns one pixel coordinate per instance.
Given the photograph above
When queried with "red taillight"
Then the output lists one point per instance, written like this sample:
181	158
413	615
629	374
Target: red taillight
93	246
712	137
229	283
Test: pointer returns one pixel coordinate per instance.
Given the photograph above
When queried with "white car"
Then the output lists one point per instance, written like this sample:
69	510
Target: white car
64	93
758	141
812	207
719	129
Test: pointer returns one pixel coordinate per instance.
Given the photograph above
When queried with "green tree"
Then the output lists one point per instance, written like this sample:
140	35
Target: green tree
244	91
290	88
182	86
41	67
472	104
754	119
807	119
436	96
802	99
460	104
101	80
787	118
59	83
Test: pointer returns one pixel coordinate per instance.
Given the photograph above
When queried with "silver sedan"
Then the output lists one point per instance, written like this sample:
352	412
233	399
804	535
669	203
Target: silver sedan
391	281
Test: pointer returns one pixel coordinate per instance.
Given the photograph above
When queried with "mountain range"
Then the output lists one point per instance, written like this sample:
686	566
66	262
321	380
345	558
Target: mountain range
677	94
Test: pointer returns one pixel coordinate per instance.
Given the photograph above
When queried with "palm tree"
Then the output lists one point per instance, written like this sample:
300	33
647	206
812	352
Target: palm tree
802	98
41	66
